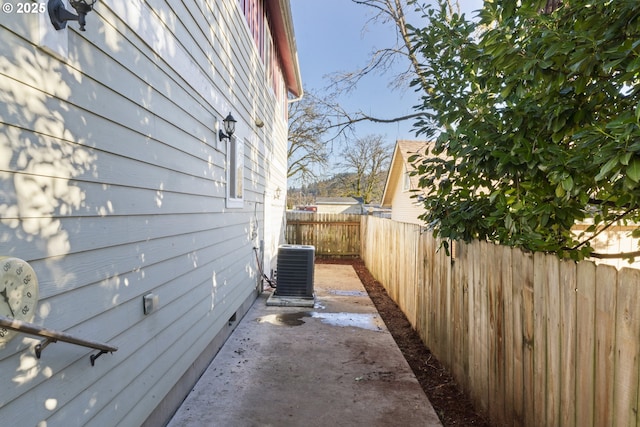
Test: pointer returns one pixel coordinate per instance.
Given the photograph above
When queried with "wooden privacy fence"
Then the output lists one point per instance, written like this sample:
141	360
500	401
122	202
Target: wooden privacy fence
535	341
333	235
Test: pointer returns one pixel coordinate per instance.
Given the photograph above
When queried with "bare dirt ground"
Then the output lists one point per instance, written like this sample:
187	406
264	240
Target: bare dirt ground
452	406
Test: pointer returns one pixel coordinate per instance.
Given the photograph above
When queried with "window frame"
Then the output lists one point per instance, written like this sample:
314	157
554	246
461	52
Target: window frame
406	180
235	173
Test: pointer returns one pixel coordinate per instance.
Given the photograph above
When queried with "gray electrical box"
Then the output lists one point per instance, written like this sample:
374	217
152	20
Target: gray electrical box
295	271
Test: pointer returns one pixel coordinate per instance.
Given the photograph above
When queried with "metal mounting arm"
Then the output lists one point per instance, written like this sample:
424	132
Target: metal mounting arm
59	15
54	336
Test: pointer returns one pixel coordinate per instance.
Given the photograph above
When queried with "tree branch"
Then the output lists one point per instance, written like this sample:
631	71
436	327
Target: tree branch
361	117
603	229
620	255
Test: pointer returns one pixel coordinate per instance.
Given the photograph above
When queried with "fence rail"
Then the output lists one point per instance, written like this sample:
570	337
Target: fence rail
333	235
534	340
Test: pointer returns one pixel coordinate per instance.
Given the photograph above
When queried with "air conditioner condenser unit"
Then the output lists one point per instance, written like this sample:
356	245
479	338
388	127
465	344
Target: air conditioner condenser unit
295	271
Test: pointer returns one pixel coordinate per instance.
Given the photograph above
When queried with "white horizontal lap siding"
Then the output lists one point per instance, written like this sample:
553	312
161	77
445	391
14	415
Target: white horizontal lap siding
403	207
274	209
166	342
269	144
112	180
197	60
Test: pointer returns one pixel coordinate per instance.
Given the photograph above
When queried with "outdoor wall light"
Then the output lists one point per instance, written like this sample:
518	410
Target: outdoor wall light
59	15
229	124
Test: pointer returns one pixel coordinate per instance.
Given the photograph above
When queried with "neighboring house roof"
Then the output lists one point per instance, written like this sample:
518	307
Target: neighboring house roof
339	200
399	164
279	13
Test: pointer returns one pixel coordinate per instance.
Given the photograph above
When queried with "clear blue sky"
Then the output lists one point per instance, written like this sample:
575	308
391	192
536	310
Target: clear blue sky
331	37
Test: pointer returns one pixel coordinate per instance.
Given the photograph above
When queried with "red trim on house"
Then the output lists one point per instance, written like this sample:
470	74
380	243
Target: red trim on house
285	41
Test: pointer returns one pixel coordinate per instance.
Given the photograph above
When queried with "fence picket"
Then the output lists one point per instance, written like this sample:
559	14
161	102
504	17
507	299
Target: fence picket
553	313
473	316
568	326
585	344
496	354
506	276
627	352
606	294
519	276
539	340
458	319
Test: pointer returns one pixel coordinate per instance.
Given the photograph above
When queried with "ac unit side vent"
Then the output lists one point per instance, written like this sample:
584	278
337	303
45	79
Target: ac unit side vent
295	271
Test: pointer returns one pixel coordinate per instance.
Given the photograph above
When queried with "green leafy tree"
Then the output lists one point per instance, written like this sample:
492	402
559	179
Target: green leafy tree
535	110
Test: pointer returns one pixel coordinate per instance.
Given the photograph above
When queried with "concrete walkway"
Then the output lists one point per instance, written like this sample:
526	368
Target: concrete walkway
335	364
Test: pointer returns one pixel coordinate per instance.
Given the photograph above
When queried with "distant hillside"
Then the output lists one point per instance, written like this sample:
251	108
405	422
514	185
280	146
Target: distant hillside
340	185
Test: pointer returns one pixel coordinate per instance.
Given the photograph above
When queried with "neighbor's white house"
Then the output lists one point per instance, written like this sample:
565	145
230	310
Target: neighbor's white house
114	184
401	188
339	205
402	191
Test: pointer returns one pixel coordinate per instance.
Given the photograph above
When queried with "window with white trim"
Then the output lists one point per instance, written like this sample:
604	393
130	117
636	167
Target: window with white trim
235	172
406	181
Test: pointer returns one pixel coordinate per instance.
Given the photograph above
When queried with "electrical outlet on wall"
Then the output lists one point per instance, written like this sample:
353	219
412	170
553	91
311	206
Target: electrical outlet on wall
150	303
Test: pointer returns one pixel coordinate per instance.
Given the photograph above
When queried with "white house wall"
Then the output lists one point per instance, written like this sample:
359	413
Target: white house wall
339	209
403	207
112	186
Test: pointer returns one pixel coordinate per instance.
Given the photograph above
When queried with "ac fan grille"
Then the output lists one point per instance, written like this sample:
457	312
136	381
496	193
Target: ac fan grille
295	271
